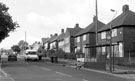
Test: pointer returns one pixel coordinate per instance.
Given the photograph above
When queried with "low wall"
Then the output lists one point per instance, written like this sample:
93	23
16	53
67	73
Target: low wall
95	65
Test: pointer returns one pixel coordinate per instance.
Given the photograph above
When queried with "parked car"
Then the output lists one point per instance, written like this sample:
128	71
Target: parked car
12	57
31	55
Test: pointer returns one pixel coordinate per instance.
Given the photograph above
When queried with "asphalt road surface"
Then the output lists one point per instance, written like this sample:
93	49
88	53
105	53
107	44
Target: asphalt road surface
46	71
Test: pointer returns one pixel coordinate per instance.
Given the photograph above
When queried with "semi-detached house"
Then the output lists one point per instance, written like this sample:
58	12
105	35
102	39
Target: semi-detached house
69	38
87	37
122	34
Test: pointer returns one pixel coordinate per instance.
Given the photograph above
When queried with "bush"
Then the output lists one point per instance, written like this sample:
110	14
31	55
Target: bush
71	56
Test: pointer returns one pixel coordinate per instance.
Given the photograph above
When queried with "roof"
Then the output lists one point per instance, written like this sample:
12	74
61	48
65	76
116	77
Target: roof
60	37
90	28
126	18
74	31
44	40
52	38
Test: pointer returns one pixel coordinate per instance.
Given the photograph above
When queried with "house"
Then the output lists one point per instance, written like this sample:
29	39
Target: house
87	37
121	40
69	38
44	42
52	42
36	45
60	40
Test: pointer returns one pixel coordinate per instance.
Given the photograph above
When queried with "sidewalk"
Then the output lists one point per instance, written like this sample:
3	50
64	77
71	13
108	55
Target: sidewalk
124	72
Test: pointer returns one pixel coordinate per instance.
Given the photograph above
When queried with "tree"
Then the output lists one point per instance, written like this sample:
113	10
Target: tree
6	23
15	48
23	45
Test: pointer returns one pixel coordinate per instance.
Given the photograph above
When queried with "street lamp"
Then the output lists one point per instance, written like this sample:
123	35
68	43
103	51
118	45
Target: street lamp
111	68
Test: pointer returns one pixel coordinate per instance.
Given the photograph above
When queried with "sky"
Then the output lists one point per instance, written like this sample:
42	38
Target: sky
40	18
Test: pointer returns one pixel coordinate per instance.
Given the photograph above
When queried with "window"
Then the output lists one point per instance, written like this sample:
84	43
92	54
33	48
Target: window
103	35
120	49
84	48
67	40
67	49
84	37
114	32
103	50
78	39
61	43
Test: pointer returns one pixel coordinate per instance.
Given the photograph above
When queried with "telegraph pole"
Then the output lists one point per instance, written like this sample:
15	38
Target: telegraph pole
25	43
96	27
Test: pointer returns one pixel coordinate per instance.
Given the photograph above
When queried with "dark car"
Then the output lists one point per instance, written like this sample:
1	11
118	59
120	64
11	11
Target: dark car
12	57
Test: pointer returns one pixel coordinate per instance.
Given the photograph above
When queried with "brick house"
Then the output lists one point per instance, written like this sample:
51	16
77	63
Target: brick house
69	38
122	34
44	42
50	44
60	40
53	42
87	37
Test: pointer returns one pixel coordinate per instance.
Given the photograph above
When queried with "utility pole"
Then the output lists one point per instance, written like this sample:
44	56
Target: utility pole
96	25
25	43
111	54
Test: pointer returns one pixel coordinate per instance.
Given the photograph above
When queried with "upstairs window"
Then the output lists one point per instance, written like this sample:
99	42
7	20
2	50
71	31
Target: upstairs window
84	37
103	35
114	32
67	40
78	39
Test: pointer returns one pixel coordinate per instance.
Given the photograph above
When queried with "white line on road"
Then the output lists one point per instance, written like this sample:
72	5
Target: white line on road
45	69
63	74
84	80
41	68
11	79
6	75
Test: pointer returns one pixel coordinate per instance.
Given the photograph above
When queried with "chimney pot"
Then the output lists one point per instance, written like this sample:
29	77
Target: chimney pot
76	25
56	34
51	35
62	30
94	18
125	8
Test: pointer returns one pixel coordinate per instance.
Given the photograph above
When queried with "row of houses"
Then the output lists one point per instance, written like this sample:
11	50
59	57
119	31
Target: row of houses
84	39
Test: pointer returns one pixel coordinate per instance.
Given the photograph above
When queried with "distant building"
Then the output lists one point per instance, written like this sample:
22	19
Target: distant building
87	38
69	38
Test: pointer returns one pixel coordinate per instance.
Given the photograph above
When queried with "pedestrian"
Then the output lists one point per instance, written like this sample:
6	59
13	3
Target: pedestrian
79	65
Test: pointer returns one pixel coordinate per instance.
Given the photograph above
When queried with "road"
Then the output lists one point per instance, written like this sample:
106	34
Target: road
46	71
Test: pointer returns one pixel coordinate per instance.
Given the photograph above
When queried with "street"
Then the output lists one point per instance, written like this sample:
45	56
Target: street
46	71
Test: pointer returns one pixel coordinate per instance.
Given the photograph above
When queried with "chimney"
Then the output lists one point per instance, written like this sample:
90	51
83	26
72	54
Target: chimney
125	8
56	34
51	35
76	25
62	31
94	18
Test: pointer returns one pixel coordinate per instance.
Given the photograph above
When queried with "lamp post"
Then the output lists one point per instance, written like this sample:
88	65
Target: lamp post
111	67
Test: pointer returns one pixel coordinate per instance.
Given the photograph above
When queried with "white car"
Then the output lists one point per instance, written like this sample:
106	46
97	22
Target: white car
31	55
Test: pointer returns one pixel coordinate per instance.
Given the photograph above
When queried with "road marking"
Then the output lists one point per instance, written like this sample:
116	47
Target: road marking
63	74
45	69
84	80
5	74
11	79
41	68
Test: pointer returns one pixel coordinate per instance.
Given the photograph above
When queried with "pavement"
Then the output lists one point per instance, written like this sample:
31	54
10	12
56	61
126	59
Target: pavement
124	72
128	73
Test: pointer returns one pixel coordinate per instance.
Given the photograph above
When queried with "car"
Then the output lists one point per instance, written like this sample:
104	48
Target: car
12	57
31	55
